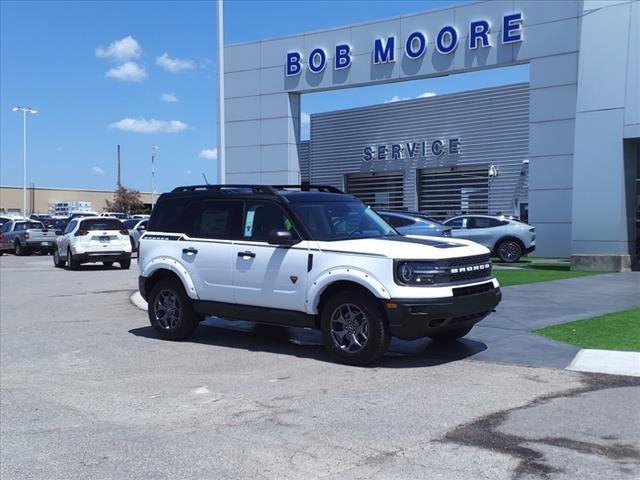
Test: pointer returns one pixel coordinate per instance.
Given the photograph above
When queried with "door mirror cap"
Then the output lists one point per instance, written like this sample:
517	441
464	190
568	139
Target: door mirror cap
281	237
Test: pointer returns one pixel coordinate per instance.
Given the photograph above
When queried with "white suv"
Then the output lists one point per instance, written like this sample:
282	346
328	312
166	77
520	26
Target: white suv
93	239
308	257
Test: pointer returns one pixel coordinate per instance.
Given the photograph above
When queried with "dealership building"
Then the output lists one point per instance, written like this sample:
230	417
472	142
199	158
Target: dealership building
561	150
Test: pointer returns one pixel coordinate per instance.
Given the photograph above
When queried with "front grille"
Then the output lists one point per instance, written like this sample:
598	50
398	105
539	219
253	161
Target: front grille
473	275
473	289
464	261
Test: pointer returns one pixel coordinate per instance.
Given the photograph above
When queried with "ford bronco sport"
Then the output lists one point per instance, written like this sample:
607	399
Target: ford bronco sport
307	256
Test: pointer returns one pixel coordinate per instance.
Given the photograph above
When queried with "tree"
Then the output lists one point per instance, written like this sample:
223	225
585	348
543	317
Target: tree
125	201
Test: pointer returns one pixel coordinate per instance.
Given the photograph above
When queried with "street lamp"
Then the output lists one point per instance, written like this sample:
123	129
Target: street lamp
24	111
153	175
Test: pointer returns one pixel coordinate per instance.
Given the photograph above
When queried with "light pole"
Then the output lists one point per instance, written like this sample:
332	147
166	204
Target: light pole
24	111
153	175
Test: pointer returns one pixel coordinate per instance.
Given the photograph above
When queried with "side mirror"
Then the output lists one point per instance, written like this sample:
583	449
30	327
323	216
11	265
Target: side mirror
281	237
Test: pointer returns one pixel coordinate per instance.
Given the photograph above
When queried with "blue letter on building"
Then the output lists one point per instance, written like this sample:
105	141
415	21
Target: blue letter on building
368	154
511	28
479	31
343	56
293	64
416	45
386	53
452	33
317	60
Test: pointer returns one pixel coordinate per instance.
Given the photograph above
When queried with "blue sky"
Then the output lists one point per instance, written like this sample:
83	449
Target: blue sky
100	73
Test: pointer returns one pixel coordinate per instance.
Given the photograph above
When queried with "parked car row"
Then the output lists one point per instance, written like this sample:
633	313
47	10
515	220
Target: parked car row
506	237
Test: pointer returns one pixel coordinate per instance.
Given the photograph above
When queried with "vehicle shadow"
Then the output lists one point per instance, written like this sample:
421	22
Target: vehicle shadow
308	343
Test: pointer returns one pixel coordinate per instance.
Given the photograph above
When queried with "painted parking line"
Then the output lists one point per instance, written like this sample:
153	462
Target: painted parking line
606	361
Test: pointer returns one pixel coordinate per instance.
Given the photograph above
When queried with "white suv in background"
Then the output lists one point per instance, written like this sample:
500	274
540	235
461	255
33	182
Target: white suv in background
93	239
307	257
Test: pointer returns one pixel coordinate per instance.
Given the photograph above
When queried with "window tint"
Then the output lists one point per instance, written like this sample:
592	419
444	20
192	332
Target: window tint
27	225
262	217
104	223
482	222
397	221
6	226
219	219
175	215
462	222
129	224
70	227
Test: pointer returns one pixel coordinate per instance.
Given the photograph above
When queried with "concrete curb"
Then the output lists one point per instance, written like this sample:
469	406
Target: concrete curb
137	300
607	361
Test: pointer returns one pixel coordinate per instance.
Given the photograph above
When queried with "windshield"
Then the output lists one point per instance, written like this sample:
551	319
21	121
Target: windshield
329	221
130	223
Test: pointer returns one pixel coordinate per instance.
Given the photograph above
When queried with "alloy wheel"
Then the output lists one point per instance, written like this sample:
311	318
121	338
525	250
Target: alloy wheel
510	251
167	309
349	328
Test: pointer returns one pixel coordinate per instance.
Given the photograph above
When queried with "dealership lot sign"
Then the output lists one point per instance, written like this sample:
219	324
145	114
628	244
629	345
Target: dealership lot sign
415	46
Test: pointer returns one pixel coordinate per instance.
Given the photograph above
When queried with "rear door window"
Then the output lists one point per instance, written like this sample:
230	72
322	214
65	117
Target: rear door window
459	223
219	219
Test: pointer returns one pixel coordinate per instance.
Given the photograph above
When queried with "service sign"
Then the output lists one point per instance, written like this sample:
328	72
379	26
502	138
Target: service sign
407	150
384	49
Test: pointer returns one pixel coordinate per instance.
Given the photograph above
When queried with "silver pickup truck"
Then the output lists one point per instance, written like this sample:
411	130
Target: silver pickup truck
26	236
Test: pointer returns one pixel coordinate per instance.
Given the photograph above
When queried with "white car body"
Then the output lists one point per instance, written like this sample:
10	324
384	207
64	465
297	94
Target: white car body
91	245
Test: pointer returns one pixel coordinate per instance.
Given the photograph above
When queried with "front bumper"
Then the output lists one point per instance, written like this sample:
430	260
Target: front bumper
114	256
530	249
415	318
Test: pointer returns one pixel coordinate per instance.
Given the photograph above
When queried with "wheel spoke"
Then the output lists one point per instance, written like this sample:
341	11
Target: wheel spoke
349	328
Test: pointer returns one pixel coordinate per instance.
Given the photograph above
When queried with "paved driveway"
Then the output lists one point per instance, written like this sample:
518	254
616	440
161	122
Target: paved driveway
88	391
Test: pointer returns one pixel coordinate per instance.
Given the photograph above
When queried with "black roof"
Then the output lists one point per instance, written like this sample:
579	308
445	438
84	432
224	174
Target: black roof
290	193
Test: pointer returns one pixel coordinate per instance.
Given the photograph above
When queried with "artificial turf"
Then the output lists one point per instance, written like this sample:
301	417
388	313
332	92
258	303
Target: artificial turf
535	272
615	331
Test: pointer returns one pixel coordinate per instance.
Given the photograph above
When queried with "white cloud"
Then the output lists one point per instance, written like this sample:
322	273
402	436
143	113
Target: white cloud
126	48
169	97
174	64
97	171
209	153
305	118
426	95
127	72
395	98
142	125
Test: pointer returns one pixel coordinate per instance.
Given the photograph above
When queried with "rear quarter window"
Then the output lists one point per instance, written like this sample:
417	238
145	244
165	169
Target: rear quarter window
175	215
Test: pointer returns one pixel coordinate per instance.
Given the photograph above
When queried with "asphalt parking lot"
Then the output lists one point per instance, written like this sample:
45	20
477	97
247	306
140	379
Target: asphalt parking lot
88	391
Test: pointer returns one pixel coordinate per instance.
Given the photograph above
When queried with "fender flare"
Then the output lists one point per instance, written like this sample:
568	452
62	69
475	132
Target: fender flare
166	263
349	274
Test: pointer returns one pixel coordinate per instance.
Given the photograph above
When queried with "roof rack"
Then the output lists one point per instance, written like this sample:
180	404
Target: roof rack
306	187
259	189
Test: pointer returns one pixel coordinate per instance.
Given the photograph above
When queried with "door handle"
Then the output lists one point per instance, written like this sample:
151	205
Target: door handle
190	251
247	254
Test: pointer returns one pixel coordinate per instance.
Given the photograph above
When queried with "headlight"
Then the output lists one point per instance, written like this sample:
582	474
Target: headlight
417	273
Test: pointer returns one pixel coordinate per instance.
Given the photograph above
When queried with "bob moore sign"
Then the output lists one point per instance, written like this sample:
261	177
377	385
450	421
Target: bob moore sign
407	150
415	46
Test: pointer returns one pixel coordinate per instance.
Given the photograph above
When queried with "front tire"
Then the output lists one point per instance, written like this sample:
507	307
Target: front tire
509	251
354	328
450	335
57	261
171	311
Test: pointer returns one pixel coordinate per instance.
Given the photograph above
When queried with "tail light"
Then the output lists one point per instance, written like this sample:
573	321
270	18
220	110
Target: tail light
26	235
532	230
124	231
81	233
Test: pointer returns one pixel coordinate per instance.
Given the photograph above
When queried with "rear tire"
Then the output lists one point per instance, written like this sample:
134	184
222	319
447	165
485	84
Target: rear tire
72	264
57	261
450	335
20	250
509	251
125	264
354	328
171	311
